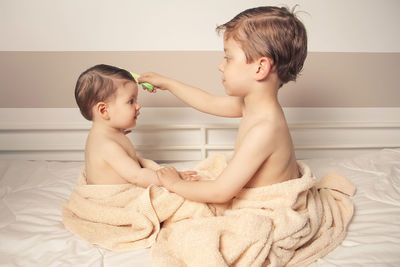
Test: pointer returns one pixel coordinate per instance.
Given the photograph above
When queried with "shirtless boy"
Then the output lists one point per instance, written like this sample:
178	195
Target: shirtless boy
107	96
264	48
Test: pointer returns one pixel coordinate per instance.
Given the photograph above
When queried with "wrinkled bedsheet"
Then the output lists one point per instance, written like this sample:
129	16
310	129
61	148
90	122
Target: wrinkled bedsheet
32	232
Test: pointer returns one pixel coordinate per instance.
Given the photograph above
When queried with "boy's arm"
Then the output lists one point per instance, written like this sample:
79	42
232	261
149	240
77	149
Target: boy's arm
254	150
128	168
225	106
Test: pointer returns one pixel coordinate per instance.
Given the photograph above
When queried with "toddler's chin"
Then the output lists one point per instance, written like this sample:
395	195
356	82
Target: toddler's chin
133	124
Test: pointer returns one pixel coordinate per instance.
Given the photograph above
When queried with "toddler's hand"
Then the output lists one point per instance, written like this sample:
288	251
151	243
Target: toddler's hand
168	176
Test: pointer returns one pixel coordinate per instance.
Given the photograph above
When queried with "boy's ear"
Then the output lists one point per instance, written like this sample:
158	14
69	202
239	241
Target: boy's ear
102	110
264	67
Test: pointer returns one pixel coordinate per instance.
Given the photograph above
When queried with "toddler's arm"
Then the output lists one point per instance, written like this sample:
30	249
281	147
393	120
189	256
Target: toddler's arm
127	167
185	175
225	106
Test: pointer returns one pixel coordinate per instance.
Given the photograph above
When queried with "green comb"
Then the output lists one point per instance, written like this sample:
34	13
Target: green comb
148	86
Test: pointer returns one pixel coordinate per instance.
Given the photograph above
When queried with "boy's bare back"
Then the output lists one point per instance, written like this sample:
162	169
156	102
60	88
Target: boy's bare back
280	164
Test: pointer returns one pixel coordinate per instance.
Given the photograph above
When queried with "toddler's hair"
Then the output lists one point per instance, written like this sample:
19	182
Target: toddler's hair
97	84
273	32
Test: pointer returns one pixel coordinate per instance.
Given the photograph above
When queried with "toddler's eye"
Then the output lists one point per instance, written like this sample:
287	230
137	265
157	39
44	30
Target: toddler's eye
131	101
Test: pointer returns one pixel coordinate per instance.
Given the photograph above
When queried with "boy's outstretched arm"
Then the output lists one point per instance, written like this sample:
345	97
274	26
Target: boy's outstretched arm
225	106
254	150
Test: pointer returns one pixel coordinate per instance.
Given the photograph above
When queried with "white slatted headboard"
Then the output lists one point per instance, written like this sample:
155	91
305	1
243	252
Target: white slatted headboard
176	134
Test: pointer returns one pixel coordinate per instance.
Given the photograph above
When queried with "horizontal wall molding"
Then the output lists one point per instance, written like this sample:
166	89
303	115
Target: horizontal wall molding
179	134
151	127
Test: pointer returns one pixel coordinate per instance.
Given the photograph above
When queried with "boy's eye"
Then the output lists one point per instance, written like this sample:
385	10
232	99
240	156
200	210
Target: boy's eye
131	101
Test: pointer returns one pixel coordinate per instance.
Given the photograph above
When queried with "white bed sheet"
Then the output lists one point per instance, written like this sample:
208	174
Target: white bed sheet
32	233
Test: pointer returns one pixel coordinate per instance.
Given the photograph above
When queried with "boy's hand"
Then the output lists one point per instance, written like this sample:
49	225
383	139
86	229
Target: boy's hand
155	79
169	176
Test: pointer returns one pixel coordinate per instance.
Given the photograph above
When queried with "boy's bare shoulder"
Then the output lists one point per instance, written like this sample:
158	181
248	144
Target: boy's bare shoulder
258	137
266	134
266	128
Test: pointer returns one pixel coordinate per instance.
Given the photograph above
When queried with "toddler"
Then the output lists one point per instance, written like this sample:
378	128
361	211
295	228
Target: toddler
107	96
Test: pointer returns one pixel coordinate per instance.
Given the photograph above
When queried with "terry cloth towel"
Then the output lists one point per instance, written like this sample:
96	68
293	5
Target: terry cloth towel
287	224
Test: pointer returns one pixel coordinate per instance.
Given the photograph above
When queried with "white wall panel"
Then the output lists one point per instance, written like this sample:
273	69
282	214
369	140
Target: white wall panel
319	132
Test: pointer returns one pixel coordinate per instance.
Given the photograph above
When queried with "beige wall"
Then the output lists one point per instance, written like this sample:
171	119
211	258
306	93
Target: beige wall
47	79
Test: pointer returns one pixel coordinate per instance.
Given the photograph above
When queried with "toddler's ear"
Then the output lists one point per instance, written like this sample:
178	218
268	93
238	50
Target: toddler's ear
264	66
102	109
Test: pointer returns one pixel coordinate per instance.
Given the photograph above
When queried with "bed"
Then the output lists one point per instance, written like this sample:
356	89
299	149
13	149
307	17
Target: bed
34	183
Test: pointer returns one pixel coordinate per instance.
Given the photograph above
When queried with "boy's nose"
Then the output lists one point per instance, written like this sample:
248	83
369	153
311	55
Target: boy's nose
221	67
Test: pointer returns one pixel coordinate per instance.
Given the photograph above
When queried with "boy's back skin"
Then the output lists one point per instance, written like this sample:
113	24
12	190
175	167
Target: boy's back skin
263	153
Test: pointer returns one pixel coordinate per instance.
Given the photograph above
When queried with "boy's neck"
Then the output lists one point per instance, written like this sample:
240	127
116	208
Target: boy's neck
263	97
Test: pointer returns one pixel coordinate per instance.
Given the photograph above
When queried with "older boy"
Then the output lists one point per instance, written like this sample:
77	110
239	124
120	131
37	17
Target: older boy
107	96
265	47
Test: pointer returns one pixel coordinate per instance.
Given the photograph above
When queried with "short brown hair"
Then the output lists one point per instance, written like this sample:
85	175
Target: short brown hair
273	32
97	84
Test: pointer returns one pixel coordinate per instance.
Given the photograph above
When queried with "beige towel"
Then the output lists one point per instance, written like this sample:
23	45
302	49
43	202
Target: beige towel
291	223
